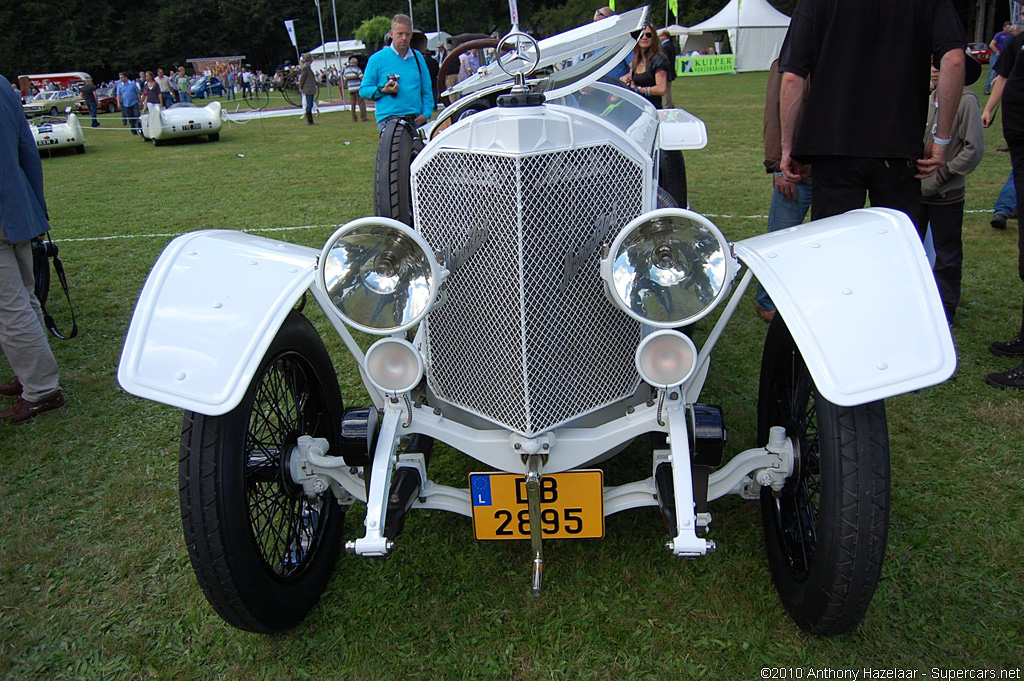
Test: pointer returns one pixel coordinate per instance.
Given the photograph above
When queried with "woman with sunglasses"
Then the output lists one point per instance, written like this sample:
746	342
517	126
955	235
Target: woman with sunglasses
648	72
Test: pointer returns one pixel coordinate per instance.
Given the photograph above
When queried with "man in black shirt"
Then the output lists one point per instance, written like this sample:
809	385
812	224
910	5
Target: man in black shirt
669	49
1009	89
88	92
861	123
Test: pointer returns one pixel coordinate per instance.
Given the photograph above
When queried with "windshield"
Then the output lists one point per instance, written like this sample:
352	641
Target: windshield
571	60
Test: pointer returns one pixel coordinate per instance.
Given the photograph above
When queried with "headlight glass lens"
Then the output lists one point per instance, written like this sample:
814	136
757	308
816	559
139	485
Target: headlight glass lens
394	365
378	275
666	358
669	268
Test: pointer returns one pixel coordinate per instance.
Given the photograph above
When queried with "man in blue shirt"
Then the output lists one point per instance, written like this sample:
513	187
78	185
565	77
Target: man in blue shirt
397	80
22	218
128	100
997	45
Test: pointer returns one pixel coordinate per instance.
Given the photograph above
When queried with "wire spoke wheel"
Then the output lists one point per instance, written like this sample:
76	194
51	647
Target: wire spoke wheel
290	91
285	524
826	530
258	99
262	549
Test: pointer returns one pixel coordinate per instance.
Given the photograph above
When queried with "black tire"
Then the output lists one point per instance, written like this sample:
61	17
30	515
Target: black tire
214	136
392	171
262	552
665	200
111	108
826	532
53	111
672	176
80	149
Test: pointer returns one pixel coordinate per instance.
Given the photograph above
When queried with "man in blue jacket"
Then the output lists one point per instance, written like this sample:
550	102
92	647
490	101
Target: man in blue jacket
397	80
22	218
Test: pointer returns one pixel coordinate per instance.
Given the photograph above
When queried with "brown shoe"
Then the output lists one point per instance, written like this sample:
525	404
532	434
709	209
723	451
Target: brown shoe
766	315
11	389
23	410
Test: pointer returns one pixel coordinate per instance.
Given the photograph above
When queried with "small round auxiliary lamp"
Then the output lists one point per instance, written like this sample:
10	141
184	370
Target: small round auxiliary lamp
380	275
666	358
393	365
668	268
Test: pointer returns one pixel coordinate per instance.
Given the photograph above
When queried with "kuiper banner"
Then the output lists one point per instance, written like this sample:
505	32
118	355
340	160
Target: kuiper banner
705	65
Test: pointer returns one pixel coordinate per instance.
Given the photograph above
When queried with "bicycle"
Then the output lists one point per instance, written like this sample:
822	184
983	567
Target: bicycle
259	97
290	90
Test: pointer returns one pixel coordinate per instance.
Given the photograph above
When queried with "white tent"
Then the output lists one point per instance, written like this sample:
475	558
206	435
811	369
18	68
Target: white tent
677	30
755	28
333	53
433	38
342	47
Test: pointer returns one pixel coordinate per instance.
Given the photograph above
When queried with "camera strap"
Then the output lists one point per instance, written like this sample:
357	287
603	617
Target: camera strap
51	325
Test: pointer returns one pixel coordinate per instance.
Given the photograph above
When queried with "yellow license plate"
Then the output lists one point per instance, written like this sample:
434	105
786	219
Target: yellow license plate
571	505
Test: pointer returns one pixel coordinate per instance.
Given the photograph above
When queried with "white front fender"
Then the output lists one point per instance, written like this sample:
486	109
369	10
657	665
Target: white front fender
860	300
210	308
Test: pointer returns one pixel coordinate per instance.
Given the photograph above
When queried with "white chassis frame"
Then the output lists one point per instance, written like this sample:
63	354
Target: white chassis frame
214	301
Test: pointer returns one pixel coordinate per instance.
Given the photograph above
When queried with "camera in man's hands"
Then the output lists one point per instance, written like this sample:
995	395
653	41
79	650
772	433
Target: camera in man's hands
393	78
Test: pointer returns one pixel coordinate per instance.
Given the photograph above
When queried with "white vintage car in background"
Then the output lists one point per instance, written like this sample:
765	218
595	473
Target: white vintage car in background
181	120
541	297
52	133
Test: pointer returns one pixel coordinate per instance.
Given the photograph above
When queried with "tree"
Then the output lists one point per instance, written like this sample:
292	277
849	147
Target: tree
373	31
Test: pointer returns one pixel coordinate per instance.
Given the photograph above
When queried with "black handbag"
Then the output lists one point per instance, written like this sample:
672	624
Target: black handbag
42	253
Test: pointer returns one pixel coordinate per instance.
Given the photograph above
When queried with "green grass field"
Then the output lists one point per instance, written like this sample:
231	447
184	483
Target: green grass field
95	580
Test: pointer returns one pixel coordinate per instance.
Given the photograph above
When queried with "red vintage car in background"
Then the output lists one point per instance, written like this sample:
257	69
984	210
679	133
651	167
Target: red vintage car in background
980	52
106	101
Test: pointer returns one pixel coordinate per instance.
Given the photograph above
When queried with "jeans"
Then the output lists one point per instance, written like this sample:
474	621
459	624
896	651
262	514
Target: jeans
165	100
991	72
92	113
184	96
131	112
1006	202
307	102
784	213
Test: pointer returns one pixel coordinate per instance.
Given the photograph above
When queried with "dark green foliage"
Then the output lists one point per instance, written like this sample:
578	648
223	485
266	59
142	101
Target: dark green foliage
103	37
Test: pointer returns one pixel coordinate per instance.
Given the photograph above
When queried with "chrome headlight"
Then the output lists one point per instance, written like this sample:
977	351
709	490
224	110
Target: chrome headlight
668	268
379	274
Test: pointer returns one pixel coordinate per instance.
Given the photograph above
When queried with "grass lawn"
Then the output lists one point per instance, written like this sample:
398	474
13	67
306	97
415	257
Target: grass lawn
95	580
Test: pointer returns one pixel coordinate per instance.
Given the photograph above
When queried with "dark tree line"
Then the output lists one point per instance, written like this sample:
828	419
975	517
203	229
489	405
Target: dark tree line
103	37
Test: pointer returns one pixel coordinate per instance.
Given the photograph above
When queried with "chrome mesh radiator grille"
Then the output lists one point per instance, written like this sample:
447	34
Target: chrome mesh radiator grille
526	337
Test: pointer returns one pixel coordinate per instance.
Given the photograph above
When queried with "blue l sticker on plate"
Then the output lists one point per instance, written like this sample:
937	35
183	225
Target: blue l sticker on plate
480	488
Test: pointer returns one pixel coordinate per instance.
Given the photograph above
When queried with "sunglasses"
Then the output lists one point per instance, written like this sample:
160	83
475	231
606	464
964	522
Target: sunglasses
646	35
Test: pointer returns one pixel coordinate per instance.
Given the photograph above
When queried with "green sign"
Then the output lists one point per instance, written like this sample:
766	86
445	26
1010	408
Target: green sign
705	65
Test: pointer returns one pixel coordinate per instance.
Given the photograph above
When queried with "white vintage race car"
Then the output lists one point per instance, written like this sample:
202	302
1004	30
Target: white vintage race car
181	120
534	279
52	133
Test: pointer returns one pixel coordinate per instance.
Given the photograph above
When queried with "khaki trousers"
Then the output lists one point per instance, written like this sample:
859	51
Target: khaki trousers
22	336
